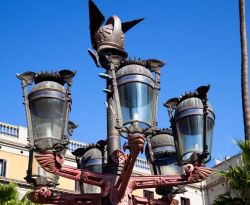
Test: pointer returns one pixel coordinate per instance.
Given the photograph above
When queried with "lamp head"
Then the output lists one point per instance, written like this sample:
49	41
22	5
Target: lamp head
135	86
192	120
47	106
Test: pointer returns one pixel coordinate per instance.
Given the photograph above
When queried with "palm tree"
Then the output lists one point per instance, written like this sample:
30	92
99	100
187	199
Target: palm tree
227	200
244	70
239	179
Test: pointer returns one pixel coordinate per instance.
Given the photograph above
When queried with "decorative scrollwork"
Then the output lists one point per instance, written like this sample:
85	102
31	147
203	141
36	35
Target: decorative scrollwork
119	157
199	174
50	161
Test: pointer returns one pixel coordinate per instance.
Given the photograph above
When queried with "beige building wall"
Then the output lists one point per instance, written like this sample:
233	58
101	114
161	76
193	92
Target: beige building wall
16	165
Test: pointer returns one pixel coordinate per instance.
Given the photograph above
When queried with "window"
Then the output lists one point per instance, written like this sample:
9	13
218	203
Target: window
148	194
185	201
2	167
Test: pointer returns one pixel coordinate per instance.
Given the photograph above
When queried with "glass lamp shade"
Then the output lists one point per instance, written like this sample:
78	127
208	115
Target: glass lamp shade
189	122
92	161
135	87
47	107
165	158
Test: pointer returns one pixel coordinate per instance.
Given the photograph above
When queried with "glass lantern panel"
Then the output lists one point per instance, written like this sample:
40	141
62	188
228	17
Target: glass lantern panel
190	133
210	129
165	165
136	102
47	120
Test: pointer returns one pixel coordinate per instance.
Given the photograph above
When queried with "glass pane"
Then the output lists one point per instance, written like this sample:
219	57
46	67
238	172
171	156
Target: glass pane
167	164
136	102
164	149
210	129
190	131
47	119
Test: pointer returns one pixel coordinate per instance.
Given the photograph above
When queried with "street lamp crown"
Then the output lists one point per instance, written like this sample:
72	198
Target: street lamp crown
60	77
49	76
134	61
109	37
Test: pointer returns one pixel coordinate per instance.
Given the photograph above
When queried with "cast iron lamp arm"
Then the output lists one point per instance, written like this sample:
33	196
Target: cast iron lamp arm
53	163
193	174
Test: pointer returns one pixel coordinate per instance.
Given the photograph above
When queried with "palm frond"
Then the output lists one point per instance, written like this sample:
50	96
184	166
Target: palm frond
227	200
244	145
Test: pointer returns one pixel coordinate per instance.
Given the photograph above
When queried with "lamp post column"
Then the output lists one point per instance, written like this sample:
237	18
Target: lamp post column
113	138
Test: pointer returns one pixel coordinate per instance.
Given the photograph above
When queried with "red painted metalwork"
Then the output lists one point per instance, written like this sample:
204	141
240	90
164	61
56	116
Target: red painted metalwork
53	163
147	201
44	195
119	157
117	189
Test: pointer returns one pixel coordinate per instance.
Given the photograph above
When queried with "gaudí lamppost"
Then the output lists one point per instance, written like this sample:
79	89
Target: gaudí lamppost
104	170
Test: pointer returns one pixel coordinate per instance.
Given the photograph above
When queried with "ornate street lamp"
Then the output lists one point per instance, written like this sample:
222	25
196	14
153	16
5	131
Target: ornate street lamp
47	106
192	121
138	91
132	96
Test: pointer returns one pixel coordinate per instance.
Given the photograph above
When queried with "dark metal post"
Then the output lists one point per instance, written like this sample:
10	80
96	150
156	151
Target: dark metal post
113	138
67	76
27	79
205	110
155	65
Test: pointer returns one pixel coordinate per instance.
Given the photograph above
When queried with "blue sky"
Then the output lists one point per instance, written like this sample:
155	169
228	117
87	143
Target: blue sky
199	40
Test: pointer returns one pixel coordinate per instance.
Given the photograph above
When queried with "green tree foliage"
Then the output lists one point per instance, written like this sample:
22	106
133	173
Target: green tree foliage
9	195
238	179
25	201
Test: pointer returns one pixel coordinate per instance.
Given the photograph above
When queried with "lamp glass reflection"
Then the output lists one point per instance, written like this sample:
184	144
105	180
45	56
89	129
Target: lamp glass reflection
136	102
190	131
47	119
189	123
47	107
166	163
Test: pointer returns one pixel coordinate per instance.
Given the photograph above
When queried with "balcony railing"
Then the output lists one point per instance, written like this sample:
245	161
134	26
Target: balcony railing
73	145
141	165
10	130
